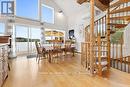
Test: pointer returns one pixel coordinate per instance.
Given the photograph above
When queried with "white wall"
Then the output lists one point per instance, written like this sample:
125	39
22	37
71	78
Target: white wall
78	22
60	21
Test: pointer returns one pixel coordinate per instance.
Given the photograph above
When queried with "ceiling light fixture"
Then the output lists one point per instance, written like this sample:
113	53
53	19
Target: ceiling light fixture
60	13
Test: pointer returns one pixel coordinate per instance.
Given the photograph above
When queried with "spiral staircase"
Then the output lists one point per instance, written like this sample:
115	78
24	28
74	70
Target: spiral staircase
117	18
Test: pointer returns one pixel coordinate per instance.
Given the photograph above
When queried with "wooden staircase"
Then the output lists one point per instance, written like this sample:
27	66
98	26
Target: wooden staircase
118	17
101	4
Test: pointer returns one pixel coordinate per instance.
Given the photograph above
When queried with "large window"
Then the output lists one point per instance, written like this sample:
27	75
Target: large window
25	39
27	8
47	14
2	28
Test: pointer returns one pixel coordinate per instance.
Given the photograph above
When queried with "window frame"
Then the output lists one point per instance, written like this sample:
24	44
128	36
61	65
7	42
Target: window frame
53	13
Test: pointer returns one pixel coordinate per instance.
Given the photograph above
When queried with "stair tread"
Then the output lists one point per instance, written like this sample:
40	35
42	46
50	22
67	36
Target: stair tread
101	50
118	25
104	68
102	57
102	45
121	18
103	63
112	31
98	4
118	3
125	9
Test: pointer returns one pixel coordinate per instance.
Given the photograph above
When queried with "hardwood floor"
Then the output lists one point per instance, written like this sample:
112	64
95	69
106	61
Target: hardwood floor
66	73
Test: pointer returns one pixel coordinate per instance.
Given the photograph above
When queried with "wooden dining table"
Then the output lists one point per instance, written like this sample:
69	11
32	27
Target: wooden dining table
51	49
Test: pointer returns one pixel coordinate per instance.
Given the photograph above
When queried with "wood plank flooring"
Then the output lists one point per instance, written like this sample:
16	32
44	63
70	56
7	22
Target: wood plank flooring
68	72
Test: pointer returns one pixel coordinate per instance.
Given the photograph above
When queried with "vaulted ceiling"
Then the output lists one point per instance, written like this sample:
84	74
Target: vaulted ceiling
71	7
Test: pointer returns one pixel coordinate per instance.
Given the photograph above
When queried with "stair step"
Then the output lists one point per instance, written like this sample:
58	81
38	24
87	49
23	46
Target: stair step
112	32
103	40
81	1
98	3
102	37
101	50
104	68
125	9
103	63
118	25
102	45
120	18
118	3
103	57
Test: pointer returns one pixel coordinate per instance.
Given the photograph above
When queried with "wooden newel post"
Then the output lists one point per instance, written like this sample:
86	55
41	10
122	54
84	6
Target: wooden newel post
108	37
91	36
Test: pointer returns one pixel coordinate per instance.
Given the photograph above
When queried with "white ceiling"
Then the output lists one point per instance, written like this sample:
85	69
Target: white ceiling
71	7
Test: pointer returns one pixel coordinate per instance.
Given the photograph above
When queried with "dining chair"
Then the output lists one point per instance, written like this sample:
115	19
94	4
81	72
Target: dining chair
41	52
57	51
69	48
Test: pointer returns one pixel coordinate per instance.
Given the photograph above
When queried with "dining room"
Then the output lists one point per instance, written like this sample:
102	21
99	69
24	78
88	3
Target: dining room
64	43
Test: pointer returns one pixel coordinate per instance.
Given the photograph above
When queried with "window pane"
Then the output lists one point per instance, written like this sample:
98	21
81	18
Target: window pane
27	8
35	36
47	14
2	28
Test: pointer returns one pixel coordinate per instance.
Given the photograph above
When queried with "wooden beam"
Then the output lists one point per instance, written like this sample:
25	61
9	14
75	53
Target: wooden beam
119	2
125	9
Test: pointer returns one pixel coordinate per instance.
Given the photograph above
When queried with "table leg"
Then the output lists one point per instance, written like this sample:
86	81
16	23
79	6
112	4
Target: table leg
49	57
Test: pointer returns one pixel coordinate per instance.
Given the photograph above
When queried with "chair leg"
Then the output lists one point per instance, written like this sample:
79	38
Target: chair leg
8	66
36	57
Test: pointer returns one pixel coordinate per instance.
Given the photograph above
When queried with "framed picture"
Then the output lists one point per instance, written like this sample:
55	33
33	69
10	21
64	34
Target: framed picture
71	34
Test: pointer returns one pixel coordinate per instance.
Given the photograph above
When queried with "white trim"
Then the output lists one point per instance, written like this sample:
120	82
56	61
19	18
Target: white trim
52	12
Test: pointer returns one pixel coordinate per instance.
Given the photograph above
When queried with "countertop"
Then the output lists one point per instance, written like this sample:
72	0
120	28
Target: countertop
3	44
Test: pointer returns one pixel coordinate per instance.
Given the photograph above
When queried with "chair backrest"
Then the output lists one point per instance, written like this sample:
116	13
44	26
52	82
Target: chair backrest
68	44
38	47
57	45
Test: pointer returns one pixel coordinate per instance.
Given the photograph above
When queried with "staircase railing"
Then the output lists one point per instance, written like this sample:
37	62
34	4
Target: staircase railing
99	45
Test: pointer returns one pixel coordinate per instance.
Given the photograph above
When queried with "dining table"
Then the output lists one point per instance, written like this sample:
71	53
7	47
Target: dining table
50	49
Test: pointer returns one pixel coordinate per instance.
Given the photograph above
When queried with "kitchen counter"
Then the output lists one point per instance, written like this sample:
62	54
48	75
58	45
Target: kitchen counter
3	62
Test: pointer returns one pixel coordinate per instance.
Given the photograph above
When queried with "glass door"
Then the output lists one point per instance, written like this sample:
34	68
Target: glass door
35	35
25	40
21	38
